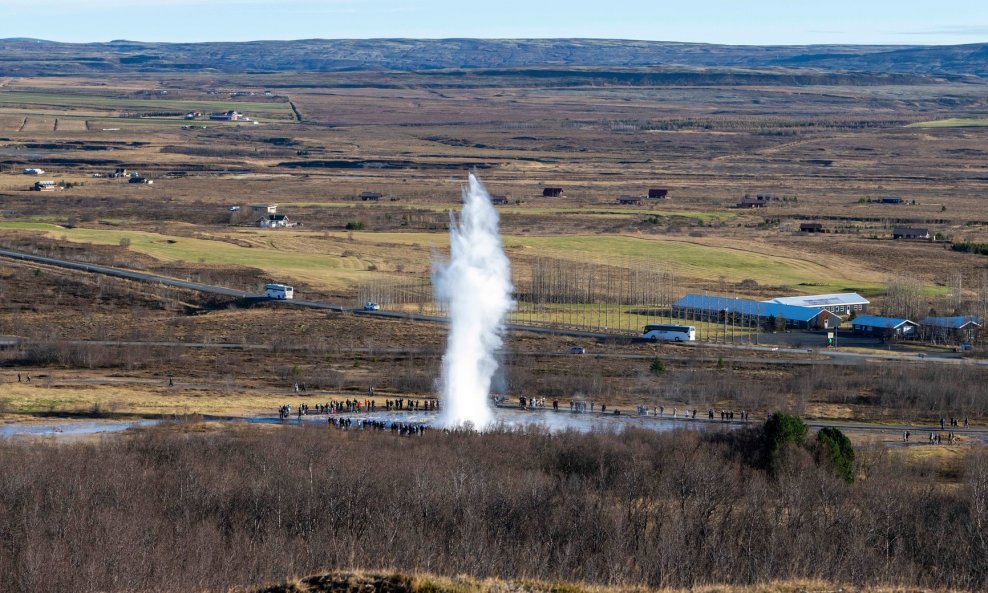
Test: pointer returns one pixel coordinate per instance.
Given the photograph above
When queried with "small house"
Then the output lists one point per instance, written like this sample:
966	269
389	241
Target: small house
759	201
810	227
552	192
958	329
45	186
499	200
370	196
227	116
911	233
632	200
273	221
891	200
119	172
885	328
658	193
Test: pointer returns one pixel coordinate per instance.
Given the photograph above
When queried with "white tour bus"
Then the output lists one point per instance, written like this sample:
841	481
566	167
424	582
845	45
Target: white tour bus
279	291
670	333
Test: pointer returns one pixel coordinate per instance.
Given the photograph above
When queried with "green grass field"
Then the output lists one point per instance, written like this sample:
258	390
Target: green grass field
300	256
953	122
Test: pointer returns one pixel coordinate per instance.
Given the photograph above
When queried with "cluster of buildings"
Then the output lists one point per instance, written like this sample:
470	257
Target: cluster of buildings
266	216
825	312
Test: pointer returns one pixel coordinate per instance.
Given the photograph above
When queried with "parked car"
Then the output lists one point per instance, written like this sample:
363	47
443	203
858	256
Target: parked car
577	350
371	306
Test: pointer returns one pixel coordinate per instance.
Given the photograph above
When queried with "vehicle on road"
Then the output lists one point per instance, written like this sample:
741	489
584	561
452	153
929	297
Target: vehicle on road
670	333
371	306
279	291
577	350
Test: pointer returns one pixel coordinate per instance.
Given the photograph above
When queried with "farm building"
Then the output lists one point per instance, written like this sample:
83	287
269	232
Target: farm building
745	311
911	233
959	329
370	196
45	186
258	209
498	200
883	327
552	192
629	200
840	303
227	116
759	201
891	200
811	227
273	221
658	193
139	179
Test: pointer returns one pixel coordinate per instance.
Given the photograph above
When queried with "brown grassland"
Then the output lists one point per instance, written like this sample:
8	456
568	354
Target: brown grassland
220	506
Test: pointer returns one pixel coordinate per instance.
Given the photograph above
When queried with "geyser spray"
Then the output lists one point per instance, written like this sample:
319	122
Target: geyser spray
476	285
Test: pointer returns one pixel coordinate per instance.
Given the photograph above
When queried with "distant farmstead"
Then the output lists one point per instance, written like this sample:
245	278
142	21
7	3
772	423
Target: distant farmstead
370	196
911	233
227	116
498	200
552	192
273	221
758	201
33	171
891	200
811	227
629	200
658	193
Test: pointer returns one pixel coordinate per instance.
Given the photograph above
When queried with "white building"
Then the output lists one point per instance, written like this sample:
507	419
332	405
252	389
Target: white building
34	171
843	303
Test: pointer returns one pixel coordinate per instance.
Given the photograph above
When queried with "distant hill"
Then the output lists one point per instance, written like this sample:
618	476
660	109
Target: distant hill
38	57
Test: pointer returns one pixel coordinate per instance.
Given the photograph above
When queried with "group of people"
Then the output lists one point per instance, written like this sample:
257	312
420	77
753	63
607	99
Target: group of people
429	405
398	428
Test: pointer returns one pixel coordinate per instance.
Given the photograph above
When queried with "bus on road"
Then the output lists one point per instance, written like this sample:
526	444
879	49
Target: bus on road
279	291
670	333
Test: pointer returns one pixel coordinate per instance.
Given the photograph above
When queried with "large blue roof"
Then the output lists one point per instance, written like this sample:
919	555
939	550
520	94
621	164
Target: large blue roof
703	302
951	322
882	322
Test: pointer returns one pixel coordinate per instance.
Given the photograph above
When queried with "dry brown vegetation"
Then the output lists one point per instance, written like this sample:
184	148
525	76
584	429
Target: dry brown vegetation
176	509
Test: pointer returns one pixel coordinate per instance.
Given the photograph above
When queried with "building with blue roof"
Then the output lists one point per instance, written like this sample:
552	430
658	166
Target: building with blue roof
702	307
884	327
959	329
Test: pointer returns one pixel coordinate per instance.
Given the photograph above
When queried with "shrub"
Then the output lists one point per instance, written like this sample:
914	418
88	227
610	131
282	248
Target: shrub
782	429
658	367
355	226
837	448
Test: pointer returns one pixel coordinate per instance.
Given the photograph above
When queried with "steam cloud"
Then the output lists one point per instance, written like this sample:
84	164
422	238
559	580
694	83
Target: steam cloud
476	284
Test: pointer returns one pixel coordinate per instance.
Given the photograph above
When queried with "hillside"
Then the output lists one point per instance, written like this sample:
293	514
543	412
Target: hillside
25	57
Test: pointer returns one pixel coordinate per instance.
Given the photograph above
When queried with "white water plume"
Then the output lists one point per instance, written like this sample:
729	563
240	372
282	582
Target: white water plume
476	285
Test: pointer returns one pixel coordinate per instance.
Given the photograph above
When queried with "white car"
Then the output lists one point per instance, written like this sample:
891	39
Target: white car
371	306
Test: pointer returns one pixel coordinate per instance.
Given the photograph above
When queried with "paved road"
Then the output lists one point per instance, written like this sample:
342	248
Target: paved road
837	357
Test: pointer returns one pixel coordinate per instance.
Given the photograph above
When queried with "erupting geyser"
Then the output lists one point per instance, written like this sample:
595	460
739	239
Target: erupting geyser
476	285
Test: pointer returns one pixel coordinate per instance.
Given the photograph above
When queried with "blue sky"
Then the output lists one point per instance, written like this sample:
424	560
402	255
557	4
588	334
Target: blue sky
751	22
